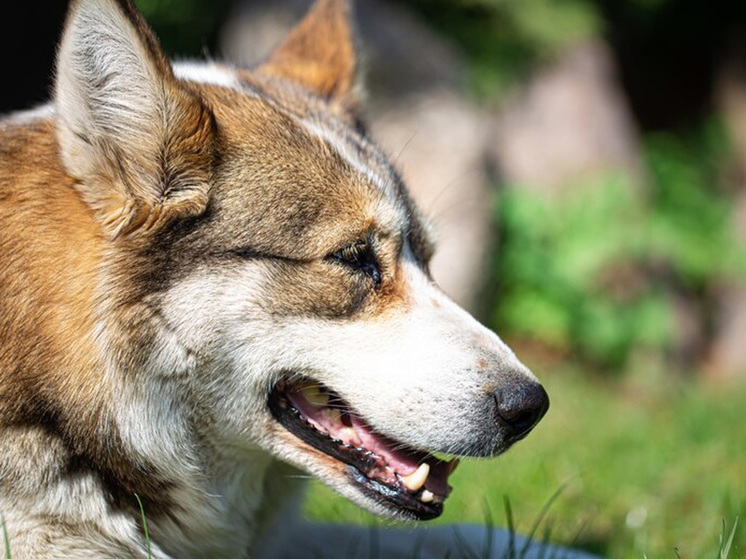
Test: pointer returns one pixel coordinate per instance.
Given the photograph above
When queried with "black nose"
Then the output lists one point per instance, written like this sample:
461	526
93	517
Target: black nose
520	407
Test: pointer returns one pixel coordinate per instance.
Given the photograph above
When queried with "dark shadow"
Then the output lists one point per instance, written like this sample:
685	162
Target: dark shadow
29	31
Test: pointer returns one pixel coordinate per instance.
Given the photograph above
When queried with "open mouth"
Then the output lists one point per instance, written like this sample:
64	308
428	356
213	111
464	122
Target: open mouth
412	482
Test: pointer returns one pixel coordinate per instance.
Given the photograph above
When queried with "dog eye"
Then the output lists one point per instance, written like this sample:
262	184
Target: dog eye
360	256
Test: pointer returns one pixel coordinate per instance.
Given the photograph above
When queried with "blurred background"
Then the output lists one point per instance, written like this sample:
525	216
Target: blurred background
583	163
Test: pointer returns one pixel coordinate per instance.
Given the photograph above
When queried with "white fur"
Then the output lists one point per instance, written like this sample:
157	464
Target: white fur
28	116
106	85
208	73
78	500
413	374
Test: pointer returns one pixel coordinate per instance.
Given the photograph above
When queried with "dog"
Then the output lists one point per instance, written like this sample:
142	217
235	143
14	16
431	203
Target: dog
212	277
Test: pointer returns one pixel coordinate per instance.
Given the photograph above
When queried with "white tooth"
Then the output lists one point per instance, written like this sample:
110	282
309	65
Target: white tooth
427	496
332	414
415	480
350	436
313	393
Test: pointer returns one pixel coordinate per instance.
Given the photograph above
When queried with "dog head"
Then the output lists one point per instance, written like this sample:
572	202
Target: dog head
266	269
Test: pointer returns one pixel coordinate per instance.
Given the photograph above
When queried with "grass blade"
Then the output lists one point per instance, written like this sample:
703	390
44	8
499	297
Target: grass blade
144	524
541	516
545	539
545	509
489	526
511	528
725	549
6	542
466	549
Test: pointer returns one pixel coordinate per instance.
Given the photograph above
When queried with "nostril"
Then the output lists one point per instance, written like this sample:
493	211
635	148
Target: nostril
520	407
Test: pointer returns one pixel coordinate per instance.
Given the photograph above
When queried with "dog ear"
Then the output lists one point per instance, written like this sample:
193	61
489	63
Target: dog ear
137	140
319	53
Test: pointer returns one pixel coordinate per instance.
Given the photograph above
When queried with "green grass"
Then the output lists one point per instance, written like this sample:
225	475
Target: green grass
144	525
6	543
726	542
653	468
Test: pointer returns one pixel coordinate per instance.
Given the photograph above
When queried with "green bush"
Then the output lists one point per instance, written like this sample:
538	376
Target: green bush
593	271
691	208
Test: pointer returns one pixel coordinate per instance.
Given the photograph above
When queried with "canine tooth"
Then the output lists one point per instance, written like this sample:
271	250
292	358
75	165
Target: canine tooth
313	393
416	480
427	496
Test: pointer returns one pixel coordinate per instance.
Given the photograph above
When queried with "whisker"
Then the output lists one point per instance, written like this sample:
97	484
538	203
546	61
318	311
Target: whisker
404	148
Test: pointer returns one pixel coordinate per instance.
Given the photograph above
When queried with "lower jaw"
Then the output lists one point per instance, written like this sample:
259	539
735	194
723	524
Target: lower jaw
395	502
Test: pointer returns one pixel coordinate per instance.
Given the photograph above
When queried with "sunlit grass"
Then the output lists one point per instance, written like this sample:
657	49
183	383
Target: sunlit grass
653	467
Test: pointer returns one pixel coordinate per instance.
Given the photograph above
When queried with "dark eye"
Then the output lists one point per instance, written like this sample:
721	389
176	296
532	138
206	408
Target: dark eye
359	256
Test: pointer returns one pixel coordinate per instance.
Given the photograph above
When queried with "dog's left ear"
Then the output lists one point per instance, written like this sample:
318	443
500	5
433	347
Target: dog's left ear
319	54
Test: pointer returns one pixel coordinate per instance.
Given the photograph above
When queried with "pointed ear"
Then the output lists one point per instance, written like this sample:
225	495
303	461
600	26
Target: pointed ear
319	53
139	143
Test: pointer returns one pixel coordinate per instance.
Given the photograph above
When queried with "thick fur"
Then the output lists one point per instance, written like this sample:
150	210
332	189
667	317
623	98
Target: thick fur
165	234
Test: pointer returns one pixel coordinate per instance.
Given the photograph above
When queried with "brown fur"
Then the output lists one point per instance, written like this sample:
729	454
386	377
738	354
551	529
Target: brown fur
56	229
149	215
49	369
319	54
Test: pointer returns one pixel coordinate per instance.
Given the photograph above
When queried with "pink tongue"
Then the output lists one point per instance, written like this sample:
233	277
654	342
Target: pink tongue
401	463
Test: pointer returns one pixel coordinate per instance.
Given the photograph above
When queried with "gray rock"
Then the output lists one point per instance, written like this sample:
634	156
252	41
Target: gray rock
570	124
727	356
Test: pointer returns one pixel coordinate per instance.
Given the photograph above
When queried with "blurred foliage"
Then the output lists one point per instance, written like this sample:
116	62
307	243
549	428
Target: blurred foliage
690	222
667	51
568	272
185	27
504	39
593	271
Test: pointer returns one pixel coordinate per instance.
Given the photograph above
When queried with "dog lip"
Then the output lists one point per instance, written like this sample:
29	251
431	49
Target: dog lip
367	469
392	496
